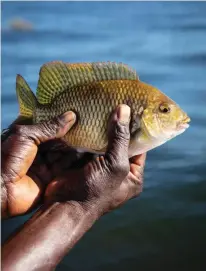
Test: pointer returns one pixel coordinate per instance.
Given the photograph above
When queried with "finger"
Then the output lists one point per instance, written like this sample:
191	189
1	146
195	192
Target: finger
134	186
55	145
139	159
119	134
45	131
20	149
137	173
8	131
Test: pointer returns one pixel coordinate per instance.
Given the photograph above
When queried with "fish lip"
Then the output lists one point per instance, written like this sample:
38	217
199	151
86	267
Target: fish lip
184	124
186	120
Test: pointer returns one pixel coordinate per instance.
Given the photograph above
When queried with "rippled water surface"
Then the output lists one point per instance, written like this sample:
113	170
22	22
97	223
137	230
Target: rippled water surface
165	228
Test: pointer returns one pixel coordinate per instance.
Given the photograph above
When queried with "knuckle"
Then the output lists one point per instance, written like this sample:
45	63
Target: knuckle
121	143
140	189
20	129
58	122
56	126
140	177
36	133
49	128
141	183
122	132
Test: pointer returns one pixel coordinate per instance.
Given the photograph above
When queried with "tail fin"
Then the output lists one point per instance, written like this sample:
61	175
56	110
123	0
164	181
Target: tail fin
26	98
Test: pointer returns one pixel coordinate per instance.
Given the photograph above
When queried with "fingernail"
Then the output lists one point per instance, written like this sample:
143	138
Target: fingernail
68	117
123	113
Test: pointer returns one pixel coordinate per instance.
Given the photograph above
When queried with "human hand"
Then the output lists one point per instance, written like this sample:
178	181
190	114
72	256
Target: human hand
74	200
106	182
24	173
24	179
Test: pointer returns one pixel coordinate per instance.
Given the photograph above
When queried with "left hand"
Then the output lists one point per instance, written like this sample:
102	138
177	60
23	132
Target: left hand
24	174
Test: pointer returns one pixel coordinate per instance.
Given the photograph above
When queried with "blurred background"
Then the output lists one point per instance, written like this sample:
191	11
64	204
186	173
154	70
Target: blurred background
165	228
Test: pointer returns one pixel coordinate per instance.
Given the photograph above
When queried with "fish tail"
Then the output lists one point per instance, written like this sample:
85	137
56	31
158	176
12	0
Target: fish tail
26	98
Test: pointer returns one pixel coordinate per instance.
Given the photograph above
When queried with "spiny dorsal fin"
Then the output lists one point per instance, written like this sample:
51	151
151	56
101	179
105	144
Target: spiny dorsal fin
56	77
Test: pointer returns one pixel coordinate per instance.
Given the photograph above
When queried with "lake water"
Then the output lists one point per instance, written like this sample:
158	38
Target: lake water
165	228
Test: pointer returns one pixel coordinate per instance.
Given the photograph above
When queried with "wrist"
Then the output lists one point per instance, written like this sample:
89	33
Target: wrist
94	208
78	215
84	210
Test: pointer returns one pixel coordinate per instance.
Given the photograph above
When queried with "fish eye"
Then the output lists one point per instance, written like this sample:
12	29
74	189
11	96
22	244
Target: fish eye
164	108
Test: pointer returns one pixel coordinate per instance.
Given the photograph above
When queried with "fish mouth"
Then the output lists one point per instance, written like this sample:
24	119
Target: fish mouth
186	120
184	124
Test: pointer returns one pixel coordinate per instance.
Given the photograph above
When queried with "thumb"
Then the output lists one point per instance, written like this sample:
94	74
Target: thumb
119	136
48	130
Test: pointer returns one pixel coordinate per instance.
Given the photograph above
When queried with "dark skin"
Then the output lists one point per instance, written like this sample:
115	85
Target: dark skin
72	199
25	170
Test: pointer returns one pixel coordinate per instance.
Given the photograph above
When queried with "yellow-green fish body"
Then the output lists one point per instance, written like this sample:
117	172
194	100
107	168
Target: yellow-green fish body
93	91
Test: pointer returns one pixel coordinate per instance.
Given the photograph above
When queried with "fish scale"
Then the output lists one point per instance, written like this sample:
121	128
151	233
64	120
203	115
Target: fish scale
94	104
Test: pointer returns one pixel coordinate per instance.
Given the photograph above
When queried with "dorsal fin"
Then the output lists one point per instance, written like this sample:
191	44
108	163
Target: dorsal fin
56	77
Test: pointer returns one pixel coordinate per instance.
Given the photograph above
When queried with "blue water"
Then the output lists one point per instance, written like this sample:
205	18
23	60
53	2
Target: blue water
165	228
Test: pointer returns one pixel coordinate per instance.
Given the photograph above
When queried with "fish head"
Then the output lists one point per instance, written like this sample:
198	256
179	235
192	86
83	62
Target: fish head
162	120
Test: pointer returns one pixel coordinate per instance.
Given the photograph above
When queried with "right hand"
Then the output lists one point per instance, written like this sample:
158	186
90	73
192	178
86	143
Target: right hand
106	182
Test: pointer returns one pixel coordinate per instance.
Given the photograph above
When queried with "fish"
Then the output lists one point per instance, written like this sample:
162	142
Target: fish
93	91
